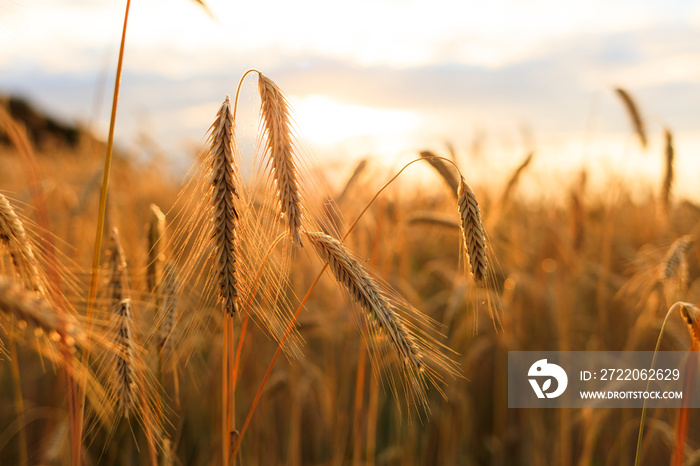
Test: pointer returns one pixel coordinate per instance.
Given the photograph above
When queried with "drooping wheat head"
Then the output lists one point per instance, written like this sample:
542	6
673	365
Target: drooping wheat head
473	234
14	237
366	292
31	309
279	147
634	114
418	354
445	171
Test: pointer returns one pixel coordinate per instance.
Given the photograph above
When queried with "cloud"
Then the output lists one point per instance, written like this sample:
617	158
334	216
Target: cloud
550	79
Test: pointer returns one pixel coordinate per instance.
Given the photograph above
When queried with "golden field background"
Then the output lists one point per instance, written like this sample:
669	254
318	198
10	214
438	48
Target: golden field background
581	273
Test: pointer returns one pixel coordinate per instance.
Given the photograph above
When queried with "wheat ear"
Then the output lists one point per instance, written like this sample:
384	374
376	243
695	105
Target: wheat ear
668	176
14	236
124	364
513	181
634	114
675	257
29	307
222	195
156	229
279	146
350	272
443	169
168	305
691	315
473	234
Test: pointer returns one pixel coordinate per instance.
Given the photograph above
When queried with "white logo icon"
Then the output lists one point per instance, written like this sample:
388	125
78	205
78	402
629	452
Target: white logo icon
541	369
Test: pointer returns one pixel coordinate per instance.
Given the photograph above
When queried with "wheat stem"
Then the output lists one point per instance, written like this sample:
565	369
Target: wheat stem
92	294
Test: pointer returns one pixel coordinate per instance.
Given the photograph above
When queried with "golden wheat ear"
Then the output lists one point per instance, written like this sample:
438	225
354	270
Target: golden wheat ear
514	178
634	114
14	237
667	185
675	259
445	171
124	361
167	312
691	315
222	196
473	233
131	383
365	291
279	147
31	309
397	332
156	257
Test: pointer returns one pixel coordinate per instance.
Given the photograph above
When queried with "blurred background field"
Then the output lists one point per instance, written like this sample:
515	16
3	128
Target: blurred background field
579	242
578	274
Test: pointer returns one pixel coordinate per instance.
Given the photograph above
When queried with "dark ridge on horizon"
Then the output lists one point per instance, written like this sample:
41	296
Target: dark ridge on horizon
43	130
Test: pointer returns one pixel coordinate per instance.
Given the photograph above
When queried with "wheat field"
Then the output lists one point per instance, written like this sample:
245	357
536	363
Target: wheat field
264	318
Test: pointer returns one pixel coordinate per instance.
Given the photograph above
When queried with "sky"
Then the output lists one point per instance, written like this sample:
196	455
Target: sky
383	77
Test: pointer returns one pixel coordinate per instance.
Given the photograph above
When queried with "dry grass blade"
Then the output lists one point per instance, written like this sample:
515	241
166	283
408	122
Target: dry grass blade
350	272
445	171
34	310
279	146
634	114
222	195
473	234
668	176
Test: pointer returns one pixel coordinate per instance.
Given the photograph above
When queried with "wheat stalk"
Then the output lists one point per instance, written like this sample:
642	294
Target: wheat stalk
634	114
279	146
350	272
473	234
222	195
